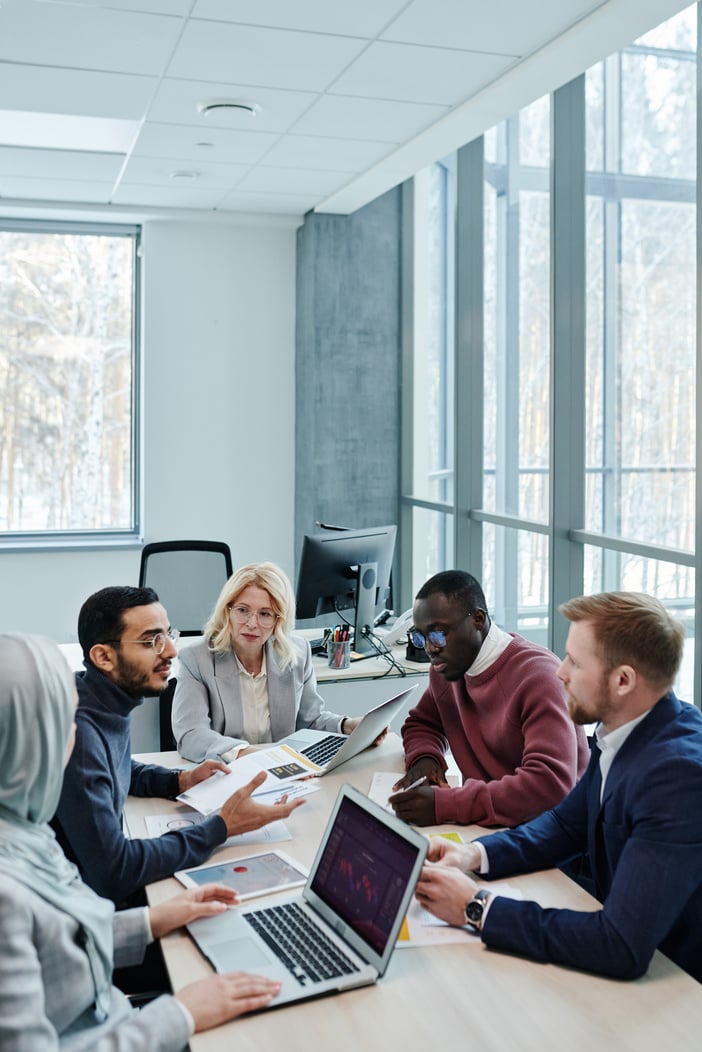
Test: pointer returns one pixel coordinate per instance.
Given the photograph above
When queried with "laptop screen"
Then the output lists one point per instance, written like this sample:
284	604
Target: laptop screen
363	873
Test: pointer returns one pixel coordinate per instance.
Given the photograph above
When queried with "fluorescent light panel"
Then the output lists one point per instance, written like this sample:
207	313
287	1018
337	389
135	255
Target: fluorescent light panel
60	131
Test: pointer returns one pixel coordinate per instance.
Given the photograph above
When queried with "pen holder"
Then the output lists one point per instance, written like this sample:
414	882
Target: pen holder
339	654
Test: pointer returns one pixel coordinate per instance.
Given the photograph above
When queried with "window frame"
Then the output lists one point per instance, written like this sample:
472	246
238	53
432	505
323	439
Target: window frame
106	538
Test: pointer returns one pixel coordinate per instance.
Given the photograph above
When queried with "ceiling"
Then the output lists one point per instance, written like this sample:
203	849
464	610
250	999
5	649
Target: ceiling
99	98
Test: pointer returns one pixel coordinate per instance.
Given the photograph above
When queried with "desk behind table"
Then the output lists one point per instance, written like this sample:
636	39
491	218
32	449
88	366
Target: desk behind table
452	996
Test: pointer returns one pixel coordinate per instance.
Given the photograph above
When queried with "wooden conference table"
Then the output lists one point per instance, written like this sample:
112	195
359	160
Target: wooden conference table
452	996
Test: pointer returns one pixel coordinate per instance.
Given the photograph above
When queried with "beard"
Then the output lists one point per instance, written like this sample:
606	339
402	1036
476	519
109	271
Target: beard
597	710
135	682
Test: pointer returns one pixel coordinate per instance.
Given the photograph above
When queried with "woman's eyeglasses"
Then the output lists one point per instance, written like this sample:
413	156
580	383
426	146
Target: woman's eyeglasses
242	614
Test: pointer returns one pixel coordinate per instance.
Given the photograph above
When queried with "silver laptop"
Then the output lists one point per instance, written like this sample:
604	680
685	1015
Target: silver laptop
341	931
328	751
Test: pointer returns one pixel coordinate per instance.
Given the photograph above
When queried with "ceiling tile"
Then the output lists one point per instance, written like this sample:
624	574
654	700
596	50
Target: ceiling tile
176	103
376	119
172	140
293	181
361	18
159	172
156	7
86	37
279	204
276	58
28	188
167	197
336	155
62	164
419	74
507	27
75	91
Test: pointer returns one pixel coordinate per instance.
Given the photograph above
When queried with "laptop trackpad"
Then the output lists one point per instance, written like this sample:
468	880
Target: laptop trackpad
239	955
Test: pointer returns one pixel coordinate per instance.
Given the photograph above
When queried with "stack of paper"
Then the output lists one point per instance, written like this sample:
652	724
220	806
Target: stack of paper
284	770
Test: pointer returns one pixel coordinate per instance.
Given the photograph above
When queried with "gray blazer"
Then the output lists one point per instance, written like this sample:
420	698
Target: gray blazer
208	717
46	987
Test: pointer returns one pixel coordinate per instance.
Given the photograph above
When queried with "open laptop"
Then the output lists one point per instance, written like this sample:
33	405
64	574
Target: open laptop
328	751
341	931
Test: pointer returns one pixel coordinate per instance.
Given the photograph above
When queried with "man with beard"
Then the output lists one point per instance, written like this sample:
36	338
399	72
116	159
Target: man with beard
495	701
635	814
128	647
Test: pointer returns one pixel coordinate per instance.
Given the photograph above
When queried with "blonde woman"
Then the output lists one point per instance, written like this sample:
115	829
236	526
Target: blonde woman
250	680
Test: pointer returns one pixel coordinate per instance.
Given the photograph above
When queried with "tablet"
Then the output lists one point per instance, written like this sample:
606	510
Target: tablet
249	876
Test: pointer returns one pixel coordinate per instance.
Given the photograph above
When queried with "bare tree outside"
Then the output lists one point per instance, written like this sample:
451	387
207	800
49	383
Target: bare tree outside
66	373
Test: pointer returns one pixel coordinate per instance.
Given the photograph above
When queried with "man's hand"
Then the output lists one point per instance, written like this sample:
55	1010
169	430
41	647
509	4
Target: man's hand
187	779
205	901
425	767
415	806
242	814
445	892
220	998
465	857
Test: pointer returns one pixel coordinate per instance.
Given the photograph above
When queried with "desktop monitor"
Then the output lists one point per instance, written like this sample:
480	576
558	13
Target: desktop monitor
346	570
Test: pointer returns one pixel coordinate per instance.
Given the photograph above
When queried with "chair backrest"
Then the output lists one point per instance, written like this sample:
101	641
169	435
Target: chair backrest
188	576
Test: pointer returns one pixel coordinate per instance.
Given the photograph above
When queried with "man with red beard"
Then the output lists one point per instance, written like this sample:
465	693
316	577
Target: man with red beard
635	814
495	701
128	646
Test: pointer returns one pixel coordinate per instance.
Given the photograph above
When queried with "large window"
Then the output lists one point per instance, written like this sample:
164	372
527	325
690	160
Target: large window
67	373
432	468
517	316
577	470
640	296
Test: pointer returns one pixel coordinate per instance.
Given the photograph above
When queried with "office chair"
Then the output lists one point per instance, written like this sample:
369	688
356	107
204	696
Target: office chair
187	576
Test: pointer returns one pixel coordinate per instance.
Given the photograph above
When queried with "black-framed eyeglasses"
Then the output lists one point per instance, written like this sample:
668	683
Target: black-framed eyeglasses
437	637
157	642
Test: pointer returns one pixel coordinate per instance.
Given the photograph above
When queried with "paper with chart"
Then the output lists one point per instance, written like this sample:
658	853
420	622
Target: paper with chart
284	767
157	825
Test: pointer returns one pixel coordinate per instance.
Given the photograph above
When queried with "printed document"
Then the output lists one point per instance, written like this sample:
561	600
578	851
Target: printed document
284	768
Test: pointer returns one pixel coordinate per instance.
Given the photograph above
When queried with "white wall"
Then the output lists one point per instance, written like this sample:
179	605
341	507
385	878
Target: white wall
218	313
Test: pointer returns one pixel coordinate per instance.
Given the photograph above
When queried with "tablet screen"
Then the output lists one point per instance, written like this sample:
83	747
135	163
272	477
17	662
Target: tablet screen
249	876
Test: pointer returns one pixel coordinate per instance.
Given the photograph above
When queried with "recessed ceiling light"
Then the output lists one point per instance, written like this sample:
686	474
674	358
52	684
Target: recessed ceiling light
184	175
220	105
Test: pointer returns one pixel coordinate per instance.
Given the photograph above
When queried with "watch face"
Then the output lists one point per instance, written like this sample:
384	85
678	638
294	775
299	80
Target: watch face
474	911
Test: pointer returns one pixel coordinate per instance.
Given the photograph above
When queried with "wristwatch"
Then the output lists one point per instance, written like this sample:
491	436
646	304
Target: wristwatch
476	908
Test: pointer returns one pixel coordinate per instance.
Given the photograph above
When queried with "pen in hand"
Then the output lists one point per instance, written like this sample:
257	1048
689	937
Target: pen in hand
414	785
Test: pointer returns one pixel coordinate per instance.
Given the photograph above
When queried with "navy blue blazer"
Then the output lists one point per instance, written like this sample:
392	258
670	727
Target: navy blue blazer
644	843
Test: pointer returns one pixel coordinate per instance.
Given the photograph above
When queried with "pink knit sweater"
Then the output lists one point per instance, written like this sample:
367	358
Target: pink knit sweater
510	735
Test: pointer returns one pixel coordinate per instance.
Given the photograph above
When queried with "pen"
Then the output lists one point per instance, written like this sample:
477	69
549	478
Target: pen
414	785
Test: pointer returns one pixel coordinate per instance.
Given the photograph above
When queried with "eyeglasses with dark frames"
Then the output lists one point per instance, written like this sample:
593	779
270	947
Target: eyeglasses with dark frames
437	637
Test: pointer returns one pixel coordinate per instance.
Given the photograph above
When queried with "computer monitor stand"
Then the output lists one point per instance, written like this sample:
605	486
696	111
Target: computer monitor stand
366	583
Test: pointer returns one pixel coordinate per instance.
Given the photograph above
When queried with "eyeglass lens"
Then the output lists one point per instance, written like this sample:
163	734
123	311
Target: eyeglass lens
242	614
160	639
437	639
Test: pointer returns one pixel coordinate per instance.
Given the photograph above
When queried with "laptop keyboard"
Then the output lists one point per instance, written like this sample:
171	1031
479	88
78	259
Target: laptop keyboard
322	751
307	953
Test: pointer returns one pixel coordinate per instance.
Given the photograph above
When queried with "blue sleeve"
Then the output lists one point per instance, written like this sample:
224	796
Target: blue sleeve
149	779
90	826
658	873
546	841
